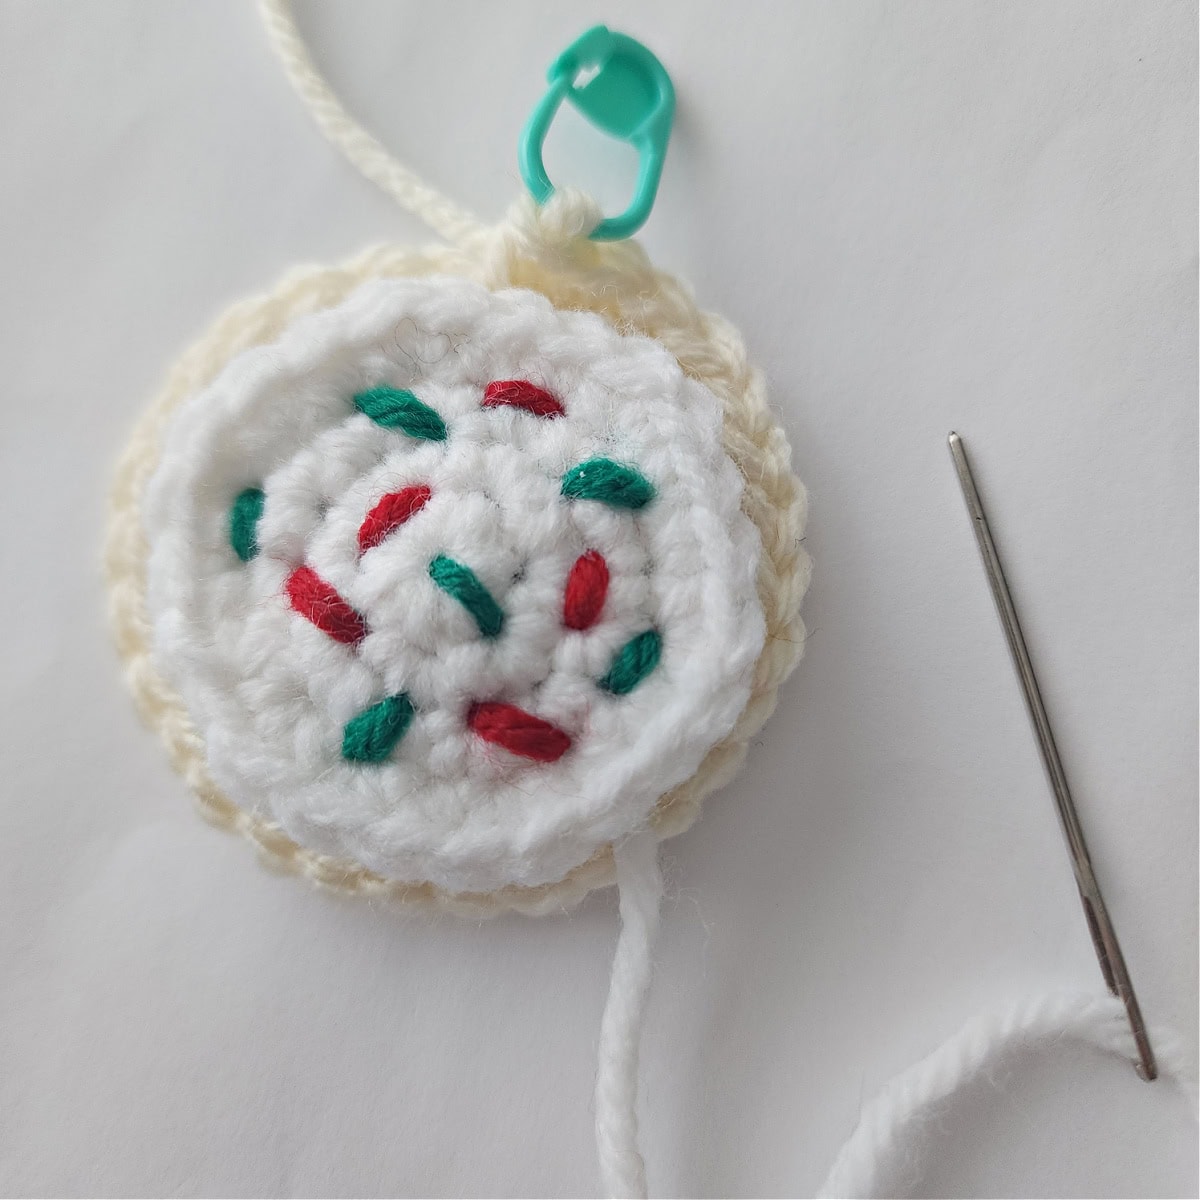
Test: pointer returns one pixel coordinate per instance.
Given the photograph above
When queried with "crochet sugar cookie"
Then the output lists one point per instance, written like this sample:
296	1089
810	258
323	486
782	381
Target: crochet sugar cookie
454	585
462	575
438	586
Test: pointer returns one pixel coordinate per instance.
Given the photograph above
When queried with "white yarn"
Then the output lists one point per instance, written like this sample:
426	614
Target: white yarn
903	1103
364	151
270	693
639	878
887	1124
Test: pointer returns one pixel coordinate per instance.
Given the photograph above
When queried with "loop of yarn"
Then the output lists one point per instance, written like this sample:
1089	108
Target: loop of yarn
886	1125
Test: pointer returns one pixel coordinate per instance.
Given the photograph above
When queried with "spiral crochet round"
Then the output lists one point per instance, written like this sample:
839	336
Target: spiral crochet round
543	250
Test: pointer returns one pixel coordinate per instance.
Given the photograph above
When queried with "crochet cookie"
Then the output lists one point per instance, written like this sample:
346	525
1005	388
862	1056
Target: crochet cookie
454	584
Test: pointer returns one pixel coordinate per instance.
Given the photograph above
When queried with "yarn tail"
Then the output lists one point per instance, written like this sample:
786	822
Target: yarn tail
886	1128
639	882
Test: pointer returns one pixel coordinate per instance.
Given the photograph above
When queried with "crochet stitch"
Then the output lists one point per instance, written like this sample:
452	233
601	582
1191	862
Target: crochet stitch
390	513
243	523
320	603
609	482
587	586
520	393
463	584
371	735
398	408
519	732
632	663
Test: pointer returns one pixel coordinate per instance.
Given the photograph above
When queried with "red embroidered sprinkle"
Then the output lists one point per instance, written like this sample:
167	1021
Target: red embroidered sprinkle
520	393
518	732
587	586
320	603
390	513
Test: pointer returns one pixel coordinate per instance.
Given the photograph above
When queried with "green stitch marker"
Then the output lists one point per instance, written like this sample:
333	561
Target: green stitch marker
622	89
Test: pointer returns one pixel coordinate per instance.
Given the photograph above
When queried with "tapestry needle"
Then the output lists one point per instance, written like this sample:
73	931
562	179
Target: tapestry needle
1100	926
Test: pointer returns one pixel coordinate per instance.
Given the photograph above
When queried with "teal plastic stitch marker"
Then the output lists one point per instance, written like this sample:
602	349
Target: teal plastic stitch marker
622	89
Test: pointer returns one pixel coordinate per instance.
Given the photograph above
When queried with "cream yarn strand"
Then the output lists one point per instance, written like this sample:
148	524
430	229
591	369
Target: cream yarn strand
454	223
639	882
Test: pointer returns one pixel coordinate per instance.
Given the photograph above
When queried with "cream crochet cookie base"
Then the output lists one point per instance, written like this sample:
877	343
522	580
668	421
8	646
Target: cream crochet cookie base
540	250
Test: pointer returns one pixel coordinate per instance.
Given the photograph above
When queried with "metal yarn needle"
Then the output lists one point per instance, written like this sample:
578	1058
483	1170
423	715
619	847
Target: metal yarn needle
1100	926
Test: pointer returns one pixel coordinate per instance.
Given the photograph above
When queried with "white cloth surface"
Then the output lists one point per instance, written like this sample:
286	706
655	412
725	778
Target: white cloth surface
924	216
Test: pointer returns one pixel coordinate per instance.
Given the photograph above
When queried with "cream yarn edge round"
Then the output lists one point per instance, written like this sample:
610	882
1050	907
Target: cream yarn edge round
545	250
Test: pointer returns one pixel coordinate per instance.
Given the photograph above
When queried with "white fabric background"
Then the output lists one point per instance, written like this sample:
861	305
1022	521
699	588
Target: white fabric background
924	216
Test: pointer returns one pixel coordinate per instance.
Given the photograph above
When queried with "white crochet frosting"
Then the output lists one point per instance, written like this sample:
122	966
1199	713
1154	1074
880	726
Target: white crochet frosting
271	693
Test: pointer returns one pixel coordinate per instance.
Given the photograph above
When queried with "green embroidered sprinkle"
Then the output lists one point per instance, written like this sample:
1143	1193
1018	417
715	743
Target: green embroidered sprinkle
396	409
372	735
632	663
243	523
609	482
464	585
